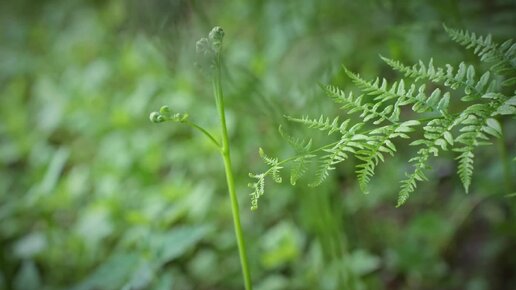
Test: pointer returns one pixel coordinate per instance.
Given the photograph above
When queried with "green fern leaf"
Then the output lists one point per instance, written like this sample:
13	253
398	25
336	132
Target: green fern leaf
299	168
274	166
381	102
448	77
410	183
503	56
322	123
258	189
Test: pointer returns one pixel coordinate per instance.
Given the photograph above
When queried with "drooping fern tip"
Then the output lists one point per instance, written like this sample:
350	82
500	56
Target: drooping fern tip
381	108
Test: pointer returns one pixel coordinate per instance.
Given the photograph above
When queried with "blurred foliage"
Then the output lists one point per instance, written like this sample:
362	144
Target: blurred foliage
94	196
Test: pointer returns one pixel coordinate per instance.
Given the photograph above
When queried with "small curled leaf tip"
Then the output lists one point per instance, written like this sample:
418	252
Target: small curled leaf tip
156	117
165	110
216	34
165	114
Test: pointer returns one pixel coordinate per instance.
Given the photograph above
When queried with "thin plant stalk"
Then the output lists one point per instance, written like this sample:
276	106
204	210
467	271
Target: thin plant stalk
226	156
211	49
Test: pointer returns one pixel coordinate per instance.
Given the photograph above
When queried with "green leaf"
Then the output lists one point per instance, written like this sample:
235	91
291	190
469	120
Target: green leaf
390	145
506	110
448	137
493	124
411	123
358	137
444	102
441	142
434	97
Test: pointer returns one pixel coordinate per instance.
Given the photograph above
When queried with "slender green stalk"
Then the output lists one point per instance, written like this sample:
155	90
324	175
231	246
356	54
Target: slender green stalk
209	49
205	132
226	155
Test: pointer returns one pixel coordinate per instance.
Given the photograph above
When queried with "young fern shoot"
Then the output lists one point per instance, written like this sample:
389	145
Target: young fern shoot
210	51
380	108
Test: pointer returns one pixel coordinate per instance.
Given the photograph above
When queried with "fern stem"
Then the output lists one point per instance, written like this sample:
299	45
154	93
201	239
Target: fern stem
205	132
226	156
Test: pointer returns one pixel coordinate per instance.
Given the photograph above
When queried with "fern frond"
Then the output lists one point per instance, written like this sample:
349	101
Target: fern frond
299	168
377	144
302	147
381	91
437	137
412	95
274	166
322	123
381	102
371	155
465	168
299	145
463	77
349	142
258	189
336	155
437	133
477	122
503	56
259	185
368	112
410	183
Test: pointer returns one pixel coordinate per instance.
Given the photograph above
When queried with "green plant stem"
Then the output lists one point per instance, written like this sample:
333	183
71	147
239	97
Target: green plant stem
226	155
204	131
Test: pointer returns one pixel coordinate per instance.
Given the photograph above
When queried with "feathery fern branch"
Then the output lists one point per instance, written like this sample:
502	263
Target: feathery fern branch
502	55
382	104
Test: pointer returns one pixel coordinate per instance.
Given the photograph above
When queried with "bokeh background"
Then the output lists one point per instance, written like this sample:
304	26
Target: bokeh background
94	196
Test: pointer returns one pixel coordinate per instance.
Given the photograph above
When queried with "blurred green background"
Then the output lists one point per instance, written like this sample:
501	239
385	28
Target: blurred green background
94	196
